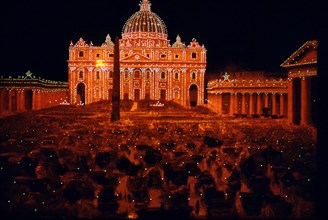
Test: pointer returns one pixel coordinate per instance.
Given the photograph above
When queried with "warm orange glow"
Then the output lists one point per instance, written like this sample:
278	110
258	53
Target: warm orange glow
99	63
151	68
132	215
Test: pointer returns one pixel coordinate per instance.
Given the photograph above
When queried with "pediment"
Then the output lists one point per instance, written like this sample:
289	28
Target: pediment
306	54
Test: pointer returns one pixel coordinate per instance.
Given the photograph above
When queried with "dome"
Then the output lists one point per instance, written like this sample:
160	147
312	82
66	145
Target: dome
178	43
144	21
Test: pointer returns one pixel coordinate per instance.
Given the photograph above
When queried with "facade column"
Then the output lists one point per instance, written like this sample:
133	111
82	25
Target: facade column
274	104
235	108
243	103
10	105
266	100
220	103
258	104
20	100
251	104
281	101
40	100
41	94
231	104
290	113
34	99
305	105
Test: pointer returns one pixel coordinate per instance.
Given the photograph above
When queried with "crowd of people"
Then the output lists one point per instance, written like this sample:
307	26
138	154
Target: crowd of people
72	161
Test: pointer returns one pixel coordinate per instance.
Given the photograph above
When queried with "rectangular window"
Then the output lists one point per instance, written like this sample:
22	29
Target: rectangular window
163	56
148	55
98	55
81	53
193	55
110	55
176	56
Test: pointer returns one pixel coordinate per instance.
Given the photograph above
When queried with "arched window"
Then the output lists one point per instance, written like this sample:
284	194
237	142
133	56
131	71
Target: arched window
126	74
176	93
137	74
163	75
97	75
81	75
193	76
110	74
147	75
176	76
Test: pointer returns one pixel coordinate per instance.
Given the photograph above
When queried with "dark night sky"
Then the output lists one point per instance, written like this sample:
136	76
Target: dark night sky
258	35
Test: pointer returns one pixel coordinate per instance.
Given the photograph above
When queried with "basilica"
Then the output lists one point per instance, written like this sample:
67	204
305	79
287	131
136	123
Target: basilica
150	67
153	69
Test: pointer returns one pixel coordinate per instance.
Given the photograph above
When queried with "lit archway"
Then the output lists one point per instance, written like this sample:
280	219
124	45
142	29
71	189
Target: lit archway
81	93
193	93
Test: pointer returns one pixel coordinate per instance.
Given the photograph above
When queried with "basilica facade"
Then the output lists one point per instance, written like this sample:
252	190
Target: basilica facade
150	67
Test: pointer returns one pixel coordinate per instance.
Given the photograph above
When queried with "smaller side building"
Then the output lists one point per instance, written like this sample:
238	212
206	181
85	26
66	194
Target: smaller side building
30	93
247	93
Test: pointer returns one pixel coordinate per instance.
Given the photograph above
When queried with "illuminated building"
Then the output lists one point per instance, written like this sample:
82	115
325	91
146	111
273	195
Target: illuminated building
302	76
30	93
247	93
151	68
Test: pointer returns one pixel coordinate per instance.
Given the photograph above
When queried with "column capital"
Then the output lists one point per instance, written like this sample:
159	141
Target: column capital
72	68
184	70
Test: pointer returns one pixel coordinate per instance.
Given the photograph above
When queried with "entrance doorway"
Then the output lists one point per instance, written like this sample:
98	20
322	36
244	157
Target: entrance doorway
163	95
81	93
193	91
147	96
136	94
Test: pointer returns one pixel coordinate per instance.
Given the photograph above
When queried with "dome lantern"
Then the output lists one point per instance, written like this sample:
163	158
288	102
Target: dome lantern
145	5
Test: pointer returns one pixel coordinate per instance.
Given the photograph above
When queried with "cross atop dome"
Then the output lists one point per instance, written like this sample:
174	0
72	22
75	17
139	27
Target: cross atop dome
145	5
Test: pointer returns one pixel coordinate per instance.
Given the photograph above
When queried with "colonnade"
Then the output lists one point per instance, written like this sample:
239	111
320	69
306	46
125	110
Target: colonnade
20	99
300	106
248	103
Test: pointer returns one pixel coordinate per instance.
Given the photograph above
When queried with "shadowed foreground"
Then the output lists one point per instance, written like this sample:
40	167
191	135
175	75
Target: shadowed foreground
156	162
